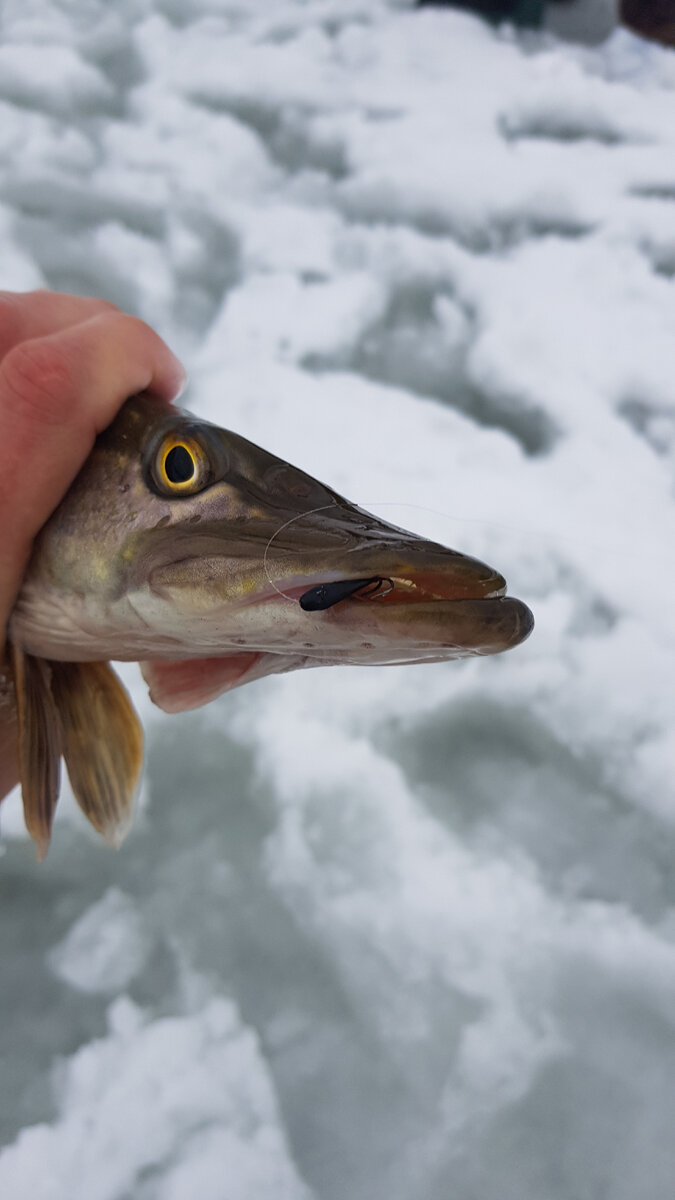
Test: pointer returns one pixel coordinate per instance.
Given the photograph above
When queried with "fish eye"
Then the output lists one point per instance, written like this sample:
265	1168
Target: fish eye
181	466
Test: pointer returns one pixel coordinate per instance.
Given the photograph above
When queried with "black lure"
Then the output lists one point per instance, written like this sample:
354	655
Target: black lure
325	595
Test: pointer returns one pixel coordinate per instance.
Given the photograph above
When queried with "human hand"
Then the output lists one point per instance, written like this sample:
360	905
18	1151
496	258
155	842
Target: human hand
67	364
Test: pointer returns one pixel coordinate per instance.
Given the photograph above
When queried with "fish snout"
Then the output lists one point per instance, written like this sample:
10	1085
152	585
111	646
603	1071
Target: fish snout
421	602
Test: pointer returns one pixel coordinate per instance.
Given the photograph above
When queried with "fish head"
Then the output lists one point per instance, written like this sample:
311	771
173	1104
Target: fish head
181	542
213	563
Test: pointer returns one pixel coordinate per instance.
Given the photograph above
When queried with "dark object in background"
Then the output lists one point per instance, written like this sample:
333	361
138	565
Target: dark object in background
528	14
653	19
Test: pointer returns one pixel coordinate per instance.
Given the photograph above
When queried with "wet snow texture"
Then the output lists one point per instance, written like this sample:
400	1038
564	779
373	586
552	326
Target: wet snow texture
404	933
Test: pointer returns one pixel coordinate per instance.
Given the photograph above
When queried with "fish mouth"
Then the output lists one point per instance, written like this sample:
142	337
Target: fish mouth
456	608
383	590
297	620
384	596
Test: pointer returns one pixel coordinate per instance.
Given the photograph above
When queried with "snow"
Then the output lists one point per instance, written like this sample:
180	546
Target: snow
199	1084
410	932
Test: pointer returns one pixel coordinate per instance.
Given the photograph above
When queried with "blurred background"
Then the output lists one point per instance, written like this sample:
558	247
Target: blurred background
402	933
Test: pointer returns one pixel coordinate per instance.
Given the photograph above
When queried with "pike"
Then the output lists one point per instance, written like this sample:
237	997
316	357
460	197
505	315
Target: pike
212	563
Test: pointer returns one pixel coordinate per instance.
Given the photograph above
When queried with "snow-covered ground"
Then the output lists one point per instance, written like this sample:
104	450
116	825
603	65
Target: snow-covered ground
402	934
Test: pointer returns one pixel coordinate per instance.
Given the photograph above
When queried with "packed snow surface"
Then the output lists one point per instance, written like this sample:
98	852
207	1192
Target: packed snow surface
403	934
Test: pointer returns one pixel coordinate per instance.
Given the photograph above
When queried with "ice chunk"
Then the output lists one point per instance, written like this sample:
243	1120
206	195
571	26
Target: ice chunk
105	948
51	76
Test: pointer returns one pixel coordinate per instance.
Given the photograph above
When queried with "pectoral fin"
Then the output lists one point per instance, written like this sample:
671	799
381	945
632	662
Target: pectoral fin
102	743
178	685
39	744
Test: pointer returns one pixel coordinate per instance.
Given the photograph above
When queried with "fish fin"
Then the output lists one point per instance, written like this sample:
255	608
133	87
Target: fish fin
177	685
102	743
40	744
180	684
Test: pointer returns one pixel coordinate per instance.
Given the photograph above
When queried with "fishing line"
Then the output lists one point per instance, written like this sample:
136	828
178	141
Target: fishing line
548	537
300	517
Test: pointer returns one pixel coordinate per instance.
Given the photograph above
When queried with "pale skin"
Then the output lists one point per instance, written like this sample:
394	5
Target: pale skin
67	364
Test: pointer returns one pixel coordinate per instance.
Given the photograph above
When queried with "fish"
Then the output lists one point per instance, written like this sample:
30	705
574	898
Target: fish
212	563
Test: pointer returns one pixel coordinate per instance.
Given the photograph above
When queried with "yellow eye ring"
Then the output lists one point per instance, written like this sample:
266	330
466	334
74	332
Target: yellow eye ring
181	466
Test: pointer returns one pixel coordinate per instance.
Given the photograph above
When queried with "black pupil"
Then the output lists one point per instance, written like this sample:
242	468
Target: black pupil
179	465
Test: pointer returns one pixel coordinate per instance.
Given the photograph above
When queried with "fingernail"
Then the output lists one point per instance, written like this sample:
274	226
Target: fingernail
182	381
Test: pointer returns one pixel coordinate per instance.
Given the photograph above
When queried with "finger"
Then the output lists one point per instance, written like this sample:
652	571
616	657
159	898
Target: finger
56	394
27	315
